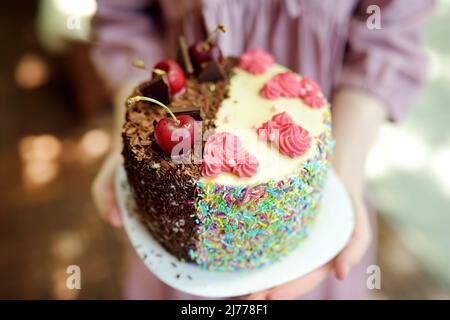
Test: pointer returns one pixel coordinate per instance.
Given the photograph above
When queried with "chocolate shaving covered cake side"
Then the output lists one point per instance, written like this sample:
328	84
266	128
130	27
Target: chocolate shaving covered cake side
164	191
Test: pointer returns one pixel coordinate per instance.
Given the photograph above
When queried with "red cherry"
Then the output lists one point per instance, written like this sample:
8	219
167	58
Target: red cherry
200	53
165	128
205	51
175	75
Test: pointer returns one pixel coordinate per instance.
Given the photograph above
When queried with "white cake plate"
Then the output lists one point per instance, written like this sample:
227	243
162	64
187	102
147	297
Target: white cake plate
327	237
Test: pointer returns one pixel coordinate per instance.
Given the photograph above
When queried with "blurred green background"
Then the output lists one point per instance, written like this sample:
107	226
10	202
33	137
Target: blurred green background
409	168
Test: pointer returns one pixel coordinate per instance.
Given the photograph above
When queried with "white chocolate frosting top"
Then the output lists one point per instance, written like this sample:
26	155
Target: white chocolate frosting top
245	110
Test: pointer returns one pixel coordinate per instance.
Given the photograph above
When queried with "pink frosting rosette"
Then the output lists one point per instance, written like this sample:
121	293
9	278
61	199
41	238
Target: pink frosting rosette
269	131
283	84
291	139
310	93
224	153
315	101
210	168
271	91
308	87
286	84
282	118
255	61
246	165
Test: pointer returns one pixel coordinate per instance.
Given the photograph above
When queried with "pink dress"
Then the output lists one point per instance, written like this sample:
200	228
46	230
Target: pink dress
326	40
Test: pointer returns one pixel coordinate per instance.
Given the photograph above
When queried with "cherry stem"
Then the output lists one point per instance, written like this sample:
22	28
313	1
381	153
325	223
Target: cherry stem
135	99
207	42
160	72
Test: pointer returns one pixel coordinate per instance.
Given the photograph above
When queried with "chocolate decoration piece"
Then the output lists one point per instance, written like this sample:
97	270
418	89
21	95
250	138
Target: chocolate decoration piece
212	72
193	111
157	88
183	58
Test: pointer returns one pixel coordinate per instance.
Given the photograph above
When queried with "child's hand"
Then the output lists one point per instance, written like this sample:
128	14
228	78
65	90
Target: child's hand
103	191
353	253
349	257
296	288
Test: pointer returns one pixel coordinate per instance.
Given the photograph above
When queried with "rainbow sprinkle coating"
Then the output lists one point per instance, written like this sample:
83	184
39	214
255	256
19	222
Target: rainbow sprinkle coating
249	227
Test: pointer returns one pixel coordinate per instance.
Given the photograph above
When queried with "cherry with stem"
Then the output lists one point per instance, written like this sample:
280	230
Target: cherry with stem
204	51
171	70
165	127
207	42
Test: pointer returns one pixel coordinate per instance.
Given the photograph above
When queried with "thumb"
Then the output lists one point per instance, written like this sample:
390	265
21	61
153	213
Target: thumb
358	244
103	191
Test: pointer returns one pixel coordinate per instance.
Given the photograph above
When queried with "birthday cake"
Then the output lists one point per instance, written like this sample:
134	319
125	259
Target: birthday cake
226	156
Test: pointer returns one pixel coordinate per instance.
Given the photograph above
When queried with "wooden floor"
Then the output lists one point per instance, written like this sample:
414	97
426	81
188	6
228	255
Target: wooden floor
49	156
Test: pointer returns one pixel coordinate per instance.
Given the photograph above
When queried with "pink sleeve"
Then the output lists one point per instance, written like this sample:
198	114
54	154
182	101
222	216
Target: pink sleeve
124	31
387	62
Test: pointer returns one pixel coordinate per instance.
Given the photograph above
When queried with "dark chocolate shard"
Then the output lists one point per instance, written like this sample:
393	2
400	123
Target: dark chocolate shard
183	58
157	88
212	72
193	111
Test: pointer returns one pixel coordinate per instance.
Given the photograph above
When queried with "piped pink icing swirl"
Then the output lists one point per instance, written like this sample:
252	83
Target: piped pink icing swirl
270	130
314	101
283	84
294	140
256	61
286	84
308	87
271	91
291	139
282	118
246	167
211	169
224	153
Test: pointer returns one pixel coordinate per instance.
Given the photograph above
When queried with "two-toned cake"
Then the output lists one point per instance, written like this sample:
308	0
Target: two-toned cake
249	188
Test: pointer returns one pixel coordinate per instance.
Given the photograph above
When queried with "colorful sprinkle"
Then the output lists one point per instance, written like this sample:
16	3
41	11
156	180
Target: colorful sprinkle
253	226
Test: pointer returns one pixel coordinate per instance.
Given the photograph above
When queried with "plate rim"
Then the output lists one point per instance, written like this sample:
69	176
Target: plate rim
132	224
